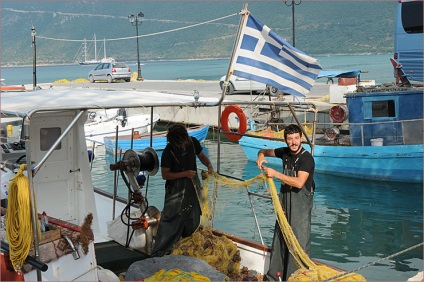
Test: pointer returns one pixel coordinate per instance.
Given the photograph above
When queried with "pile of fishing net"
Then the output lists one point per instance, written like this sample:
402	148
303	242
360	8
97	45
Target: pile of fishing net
218	251
176	274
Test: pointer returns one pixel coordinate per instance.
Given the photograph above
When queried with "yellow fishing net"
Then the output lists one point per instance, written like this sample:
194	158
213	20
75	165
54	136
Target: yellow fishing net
222	254
176	275
308	270
218	251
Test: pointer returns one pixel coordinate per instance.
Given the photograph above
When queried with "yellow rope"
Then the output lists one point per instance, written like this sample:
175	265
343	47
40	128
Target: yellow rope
19	231
308	270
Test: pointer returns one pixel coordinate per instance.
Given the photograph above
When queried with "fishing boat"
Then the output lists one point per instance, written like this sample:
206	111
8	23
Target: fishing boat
138	141
98	126
79	244
377	135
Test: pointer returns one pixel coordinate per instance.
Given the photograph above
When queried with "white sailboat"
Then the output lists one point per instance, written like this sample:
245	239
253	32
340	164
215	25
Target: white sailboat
95	61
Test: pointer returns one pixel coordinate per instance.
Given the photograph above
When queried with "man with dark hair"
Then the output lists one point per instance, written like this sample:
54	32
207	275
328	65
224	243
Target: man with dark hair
296	198
181	212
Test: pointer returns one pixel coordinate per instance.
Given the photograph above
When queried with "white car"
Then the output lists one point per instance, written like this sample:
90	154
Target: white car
240	84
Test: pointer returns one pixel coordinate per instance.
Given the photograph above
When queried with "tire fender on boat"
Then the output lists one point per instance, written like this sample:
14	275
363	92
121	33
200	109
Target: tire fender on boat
242	122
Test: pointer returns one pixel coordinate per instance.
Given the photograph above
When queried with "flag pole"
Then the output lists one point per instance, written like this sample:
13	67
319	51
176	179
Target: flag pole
243	19
244	13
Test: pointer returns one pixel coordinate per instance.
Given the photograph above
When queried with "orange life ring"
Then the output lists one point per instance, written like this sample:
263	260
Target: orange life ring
242	121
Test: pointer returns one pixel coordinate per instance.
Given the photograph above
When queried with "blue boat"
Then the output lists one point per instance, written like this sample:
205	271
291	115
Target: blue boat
378	136
141	142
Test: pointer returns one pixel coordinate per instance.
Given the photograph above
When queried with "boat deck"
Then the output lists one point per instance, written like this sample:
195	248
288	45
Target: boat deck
115	257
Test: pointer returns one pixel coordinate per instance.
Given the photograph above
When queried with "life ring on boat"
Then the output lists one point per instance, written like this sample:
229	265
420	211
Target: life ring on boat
242	122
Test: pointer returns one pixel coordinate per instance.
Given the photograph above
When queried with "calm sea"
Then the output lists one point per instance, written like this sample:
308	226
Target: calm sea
376	67
354	222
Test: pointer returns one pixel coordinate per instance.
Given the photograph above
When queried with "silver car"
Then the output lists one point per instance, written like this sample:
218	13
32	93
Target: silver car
110	71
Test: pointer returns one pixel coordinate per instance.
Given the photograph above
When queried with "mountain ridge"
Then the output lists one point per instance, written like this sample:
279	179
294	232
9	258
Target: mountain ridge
321	28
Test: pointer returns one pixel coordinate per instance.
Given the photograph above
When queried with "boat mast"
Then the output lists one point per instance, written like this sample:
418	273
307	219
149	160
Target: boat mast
85	50
104	48
95	48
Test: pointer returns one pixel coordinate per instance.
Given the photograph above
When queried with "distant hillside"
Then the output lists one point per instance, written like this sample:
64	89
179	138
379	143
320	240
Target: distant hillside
343	27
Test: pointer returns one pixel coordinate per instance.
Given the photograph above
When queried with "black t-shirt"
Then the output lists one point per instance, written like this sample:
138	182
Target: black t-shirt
186	159
303	161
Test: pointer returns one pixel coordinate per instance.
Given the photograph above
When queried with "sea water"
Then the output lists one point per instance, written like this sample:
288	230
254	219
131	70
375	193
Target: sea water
354	222
373	67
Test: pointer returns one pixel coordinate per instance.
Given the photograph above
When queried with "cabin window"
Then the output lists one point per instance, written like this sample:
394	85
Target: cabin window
48	136
385	108
412	16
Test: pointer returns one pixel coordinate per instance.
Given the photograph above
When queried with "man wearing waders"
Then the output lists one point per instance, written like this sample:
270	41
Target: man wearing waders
296	198
181	212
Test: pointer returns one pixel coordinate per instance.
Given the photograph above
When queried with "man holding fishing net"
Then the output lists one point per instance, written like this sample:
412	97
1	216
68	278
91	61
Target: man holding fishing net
182	210
296	198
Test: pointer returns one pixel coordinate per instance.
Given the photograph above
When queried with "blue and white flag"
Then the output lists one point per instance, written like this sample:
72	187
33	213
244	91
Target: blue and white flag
265	57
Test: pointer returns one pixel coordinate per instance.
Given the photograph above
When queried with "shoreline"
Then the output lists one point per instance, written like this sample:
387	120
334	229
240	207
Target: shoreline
181	60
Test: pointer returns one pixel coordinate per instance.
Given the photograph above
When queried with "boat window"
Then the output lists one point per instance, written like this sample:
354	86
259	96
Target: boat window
385	108
48	136
412	16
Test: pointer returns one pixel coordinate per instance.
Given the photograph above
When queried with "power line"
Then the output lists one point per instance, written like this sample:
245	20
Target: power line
145	35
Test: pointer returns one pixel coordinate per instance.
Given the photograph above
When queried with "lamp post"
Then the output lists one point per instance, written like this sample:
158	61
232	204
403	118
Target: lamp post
34	59
293	3
136	21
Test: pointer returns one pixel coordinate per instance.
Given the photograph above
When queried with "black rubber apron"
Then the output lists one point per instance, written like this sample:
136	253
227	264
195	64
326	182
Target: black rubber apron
181	212
297	205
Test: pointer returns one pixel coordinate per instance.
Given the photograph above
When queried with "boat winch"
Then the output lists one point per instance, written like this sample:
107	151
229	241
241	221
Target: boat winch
145	221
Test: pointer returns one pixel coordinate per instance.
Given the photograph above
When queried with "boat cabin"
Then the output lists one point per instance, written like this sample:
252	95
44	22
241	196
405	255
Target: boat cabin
393	117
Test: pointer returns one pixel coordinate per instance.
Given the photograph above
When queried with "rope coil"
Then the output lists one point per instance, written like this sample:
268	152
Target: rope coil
19	231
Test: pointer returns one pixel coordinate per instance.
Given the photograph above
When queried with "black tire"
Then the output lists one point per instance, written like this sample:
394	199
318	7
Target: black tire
230	88
109	79
128	79
91	79
273	91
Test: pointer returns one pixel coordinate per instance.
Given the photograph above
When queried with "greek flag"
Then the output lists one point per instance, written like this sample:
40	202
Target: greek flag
263	56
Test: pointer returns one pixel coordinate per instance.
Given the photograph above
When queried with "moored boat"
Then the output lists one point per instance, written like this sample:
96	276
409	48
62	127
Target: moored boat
97	128
60	179
156	140
377	135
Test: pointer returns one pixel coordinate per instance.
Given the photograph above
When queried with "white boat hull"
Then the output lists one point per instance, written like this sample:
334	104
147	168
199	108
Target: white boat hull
95	132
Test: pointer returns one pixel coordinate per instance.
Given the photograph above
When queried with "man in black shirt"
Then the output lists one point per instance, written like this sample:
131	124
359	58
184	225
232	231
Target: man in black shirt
181	212
296	198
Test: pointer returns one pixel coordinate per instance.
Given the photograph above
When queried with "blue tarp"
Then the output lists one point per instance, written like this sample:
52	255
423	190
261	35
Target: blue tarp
339	73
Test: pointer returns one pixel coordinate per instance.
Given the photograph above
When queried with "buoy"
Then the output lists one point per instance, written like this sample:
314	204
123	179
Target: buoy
242	121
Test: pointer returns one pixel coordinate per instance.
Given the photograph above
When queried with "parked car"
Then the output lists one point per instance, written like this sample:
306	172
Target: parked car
240	84
110	71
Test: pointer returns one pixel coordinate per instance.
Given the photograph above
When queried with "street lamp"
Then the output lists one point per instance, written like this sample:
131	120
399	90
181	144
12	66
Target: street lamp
34	59
293	3
137	20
